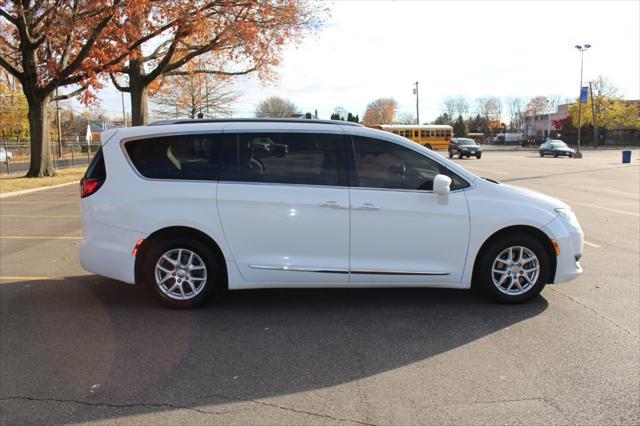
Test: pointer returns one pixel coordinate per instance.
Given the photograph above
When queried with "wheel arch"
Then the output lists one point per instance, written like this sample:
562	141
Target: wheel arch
540	235
182	231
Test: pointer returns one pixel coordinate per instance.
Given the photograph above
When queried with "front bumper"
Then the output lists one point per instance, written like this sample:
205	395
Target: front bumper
570	241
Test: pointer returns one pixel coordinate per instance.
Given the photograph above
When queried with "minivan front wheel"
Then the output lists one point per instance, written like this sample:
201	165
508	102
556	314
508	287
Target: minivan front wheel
180	273
514	269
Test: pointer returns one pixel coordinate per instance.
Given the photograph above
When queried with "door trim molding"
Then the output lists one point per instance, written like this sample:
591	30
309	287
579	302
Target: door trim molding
300	269
383	272
345	271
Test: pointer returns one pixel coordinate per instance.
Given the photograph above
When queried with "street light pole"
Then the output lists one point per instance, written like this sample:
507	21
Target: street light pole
582	50
124	114
417	105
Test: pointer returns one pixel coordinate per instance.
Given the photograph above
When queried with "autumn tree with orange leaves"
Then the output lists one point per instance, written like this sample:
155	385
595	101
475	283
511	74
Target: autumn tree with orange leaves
380	111
51	44
230	37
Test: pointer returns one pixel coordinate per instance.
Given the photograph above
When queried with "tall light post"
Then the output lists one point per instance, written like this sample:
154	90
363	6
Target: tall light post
582	50
415	91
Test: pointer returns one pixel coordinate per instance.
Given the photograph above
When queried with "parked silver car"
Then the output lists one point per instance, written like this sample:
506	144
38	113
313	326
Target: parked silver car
5	155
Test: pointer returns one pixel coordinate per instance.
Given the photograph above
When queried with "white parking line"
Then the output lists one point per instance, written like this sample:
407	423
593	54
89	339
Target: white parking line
37	237
602	208
591	244
498	172
42	188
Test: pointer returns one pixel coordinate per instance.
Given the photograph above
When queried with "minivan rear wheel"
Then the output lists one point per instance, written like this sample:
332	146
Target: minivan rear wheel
180	272
514	268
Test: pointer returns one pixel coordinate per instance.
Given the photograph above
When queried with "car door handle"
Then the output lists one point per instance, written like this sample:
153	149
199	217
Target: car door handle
333	205
369	207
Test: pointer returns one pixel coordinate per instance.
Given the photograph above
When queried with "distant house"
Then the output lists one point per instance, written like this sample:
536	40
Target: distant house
97	127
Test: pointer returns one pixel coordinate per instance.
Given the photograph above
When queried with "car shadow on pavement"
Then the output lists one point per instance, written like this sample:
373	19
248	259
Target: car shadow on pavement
90	342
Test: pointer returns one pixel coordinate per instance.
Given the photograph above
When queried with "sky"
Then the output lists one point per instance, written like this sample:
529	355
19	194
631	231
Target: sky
371	49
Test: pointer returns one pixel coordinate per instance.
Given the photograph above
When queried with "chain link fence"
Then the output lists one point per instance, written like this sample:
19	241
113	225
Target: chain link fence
16	156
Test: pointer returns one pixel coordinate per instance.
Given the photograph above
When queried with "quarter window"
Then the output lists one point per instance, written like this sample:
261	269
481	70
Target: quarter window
382	164
175	157
293	158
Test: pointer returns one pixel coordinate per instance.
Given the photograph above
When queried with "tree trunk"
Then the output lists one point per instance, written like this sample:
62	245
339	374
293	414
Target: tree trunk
41	164
139	98
139	106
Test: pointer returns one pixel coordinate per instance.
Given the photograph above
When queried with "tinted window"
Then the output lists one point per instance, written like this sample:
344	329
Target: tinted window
295	158
176	157
381	164
96	169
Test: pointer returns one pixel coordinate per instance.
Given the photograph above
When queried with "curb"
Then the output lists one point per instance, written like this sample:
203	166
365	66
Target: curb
42	188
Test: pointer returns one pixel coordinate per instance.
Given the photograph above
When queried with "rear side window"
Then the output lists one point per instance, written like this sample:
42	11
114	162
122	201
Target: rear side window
290	158
187	157
96	169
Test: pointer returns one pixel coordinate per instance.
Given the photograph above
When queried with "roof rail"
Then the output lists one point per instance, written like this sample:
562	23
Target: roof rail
254	120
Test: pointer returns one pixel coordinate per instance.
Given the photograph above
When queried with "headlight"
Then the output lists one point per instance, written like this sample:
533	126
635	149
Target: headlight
569	216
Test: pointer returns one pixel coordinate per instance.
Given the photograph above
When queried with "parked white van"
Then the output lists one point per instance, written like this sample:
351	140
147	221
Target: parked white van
193	207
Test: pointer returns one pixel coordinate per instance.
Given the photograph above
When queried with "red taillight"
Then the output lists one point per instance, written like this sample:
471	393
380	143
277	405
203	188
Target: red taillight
89	186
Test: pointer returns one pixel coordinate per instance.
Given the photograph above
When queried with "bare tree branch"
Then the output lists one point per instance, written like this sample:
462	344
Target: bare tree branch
117	85
68	95
216	72
9	17
10	68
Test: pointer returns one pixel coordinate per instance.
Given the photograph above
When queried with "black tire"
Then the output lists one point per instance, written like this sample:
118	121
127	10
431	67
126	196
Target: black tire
555	155
211	263
483	275
478	156
460	154
450	154
428	146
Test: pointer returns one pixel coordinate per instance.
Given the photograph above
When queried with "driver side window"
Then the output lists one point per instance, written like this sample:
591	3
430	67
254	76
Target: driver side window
381	164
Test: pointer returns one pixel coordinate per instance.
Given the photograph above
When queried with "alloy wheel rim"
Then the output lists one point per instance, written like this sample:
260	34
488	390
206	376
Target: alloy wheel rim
515	270
180	274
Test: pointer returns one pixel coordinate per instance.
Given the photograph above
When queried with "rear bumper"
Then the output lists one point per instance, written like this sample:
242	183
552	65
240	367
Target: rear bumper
107	251
570	243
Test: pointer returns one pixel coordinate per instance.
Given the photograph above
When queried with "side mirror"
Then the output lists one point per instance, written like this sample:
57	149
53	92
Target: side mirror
442	184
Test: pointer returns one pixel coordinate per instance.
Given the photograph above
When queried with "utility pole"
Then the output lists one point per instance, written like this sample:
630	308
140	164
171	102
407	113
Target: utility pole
58	126
124	114
417	104
593	117
581	49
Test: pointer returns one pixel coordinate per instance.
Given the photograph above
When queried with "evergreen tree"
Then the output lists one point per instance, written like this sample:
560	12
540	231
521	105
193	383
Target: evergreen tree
442	119
460	127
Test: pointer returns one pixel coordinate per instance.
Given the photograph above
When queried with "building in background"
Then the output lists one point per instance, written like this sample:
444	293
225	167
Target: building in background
558	125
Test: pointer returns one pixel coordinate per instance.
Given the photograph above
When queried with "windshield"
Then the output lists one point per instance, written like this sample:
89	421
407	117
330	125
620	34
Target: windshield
466	142
558	144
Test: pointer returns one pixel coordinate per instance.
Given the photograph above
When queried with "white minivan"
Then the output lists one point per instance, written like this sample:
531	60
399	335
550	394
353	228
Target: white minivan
190	208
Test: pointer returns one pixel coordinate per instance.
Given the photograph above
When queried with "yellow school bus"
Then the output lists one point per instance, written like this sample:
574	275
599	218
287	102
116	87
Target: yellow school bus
433	136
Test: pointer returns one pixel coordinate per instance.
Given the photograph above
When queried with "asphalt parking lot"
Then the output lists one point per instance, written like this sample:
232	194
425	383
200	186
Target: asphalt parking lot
79	348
